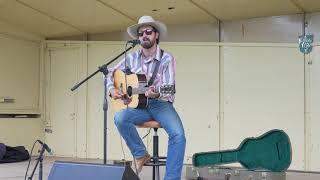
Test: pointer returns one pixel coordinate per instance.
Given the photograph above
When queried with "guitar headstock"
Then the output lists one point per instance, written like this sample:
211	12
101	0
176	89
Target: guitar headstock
167	89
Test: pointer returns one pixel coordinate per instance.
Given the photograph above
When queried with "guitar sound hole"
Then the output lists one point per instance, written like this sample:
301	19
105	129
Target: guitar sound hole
129	91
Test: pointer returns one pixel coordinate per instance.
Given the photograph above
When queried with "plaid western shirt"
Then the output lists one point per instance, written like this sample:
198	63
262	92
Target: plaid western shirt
137	64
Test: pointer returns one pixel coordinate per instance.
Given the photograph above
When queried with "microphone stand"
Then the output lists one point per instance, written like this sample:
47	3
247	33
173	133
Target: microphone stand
104	70
39	161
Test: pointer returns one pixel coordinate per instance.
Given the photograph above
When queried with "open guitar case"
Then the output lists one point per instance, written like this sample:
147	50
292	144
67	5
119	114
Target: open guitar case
270	151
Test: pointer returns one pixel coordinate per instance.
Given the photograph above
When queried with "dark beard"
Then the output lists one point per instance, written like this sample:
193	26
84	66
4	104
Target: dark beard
147	44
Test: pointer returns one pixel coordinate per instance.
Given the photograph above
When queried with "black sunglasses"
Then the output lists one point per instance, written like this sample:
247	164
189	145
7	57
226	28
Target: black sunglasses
147	31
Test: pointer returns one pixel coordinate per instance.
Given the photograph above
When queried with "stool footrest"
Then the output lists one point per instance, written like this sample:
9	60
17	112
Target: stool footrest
160	157
159	163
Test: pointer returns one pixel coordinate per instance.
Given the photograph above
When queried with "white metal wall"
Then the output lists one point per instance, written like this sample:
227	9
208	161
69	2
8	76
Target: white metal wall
197	98
21	131
263	90
20	79
19	75
313	111
226	92
65	111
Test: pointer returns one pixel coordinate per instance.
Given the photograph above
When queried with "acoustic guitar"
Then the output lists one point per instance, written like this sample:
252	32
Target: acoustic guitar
133	87
271	151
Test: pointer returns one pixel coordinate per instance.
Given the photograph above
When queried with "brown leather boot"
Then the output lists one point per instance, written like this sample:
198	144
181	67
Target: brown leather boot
141	161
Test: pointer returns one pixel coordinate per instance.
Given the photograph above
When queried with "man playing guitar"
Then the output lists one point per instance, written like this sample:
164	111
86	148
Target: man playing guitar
150	60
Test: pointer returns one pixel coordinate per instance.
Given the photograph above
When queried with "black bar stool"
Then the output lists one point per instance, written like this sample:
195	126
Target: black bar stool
156	160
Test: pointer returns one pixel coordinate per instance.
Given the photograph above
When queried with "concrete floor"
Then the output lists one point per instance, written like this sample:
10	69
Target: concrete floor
16	171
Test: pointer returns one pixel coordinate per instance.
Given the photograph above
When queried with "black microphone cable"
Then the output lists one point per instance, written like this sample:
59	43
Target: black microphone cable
25	176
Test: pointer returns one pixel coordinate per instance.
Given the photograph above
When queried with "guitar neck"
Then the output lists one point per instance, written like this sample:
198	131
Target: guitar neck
214	158
141	90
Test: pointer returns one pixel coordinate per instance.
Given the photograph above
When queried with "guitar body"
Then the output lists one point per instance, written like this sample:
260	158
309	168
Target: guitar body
133	81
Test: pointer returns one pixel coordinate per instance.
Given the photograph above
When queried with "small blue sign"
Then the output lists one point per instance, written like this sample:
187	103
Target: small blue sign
305	43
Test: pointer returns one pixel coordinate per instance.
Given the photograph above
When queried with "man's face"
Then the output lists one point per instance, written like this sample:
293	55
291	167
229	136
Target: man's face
147	36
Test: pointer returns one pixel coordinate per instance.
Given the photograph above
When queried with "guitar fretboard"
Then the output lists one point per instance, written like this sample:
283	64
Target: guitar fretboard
167	89
141	90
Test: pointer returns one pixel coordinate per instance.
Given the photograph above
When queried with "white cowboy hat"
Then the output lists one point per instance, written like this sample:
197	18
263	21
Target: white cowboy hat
147	20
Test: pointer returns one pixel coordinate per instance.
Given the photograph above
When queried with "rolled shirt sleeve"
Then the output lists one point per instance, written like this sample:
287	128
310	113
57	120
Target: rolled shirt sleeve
109	78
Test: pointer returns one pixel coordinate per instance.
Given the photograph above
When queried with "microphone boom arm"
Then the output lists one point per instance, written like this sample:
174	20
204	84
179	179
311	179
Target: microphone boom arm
103	69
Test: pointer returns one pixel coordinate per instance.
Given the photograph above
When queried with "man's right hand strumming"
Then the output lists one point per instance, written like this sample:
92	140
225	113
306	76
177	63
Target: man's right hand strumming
115	93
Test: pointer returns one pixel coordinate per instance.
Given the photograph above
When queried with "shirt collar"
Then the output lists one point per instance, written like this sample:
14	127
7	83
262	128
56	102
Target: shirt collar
157	55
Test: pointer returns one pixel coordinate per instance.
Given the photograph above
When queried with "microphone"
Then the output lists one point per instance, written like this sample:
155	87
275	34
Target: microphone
134	41
46	147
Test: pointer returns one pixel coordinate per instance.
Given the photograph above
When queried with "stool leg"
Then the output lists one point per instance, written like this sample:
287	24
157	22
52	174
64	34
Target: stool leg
156	172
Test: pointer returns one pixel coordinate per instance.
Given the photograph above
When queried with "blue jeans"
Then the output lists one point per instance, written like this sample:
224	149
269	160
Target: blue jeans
166	115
